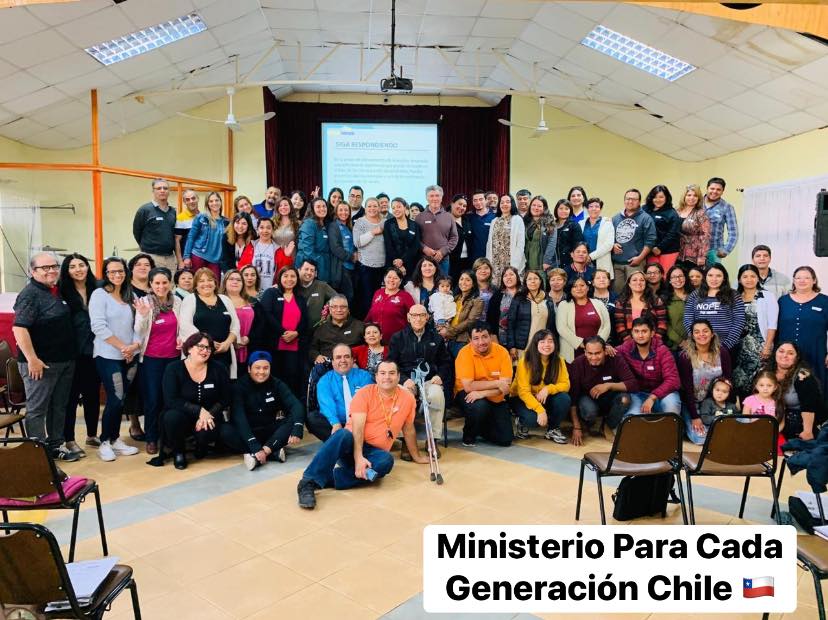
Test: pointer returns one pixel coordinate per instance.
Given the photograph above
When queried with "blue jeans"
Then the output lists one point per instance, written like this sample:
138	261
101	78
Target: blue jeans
149	380
692	435
454	347
557	407
444	266
116	376
669	404
333	465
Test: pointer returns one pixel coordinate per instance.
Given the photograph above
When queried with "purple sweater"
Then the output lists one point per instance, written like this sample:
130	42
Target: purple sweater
583	376
439	232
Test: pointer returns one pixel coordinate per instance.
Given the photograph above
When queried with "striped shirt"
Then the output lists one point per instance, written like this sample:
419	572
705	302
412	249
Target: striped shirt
727	320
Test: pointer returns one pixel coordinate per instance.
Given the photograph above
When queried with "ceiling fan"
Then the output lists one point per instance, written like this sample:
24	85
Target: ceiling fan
541	128
231	122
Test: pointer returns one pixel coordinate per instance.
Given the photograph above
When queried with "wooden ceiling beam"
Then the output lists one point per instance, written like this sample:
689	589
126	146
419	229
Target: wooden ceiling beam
806	17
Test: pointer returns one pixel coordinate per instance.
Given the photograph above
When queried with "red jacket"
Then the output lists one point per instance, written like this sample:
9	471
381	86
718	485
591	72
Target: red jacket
657	374
281	259
360	354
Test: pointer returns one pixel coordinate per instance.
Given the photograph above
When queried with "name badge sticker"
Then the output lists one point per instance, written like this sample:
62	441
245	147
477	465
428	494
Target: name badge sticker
159	219
817	308
650	367
411	232
314	294
160	322
346	333
269	400
428	221
209	386
606	378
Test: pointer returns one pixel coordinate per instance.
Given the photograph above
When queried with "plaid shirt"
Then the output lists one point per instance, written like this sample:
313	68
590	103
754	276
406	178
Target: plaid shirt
721	216
623	318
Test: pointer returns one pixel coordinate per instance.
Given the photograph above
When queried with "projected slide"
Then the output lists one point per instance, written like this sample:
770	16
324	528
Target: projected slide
399	159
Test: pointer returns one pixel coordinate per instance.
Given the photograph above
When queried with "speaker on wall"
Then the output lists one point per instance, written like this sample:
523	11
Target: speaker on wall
821	224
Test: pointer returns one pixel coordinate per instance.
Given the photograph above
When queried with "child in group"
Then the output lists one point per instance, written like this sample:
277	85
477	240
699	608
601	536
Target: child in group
441	304
720	401
766	400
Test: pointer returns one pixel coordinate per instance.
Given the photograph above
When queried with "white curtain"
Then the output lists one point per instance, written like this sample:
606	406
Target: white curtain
781	216
20	237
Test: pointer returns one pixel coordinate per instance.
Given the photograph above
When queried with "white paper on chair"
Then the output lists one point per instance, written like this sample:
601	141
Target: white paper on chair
86	577
821	531
809	499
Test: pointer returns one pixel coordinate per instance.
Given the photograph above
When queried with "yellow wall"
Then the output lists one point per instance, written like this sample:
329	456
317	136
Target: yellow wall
605	164
175	146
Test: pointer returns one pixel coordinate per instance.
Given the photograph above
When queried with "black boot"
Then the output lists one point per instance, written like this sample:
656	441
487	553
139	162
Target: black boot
306	491
180	460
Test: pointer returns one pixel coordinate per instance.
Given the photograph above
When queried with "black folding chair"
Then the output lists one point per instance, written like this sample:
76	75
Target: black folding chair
33	574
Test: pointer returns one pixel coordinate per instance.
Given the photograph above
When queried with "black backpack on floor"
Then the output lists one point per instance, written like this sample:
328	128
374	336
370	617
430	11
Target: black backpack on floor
641	496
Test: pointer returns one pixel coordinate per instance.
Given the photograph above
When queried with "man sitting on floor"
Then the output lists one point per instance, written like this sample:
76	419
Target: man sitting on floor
420	342
654	369
360	451
599	385
334	393
483	378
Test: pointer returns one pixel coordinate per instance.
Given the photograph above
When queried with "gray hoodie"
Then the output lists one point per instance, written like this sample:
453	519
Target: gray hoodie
632	234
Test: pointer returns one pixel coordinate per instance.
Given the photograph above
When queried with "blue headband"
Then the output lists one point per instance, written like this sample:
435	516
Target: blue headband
258	356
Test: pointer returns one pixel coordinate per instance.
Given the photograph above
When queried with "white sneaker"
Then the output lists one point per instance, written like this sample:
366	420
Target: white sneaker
250	462
281	456
123	449
105	451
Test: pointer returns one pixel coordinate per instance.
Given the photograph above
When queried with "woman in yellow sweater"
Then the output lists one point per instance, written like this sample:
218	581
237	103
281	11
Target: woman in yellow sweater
540	389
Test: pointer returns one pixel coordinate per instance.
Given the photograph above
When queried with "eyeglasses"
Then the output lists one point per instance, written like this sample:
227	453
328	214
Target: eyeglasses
202	347
48	267
115	272
418	315
161	188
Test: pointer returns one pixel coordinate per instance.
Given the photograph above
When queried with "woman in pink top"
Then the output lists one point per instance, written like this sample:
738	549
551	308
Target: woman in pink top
233	286
284	329
390	305
156	322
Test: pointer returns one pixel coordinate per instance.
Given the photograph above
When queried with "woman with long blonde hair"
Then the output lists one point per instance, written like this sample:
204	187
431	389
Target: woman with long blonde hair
694	240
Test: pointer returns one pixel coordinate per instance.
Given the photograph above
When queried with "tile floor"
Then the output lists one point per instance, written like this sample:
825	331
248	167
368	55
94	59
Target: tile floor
219	542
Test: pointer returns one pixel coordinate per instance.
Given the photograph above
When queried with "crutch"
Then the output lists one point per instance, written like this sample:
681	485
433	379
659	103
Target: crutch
420	373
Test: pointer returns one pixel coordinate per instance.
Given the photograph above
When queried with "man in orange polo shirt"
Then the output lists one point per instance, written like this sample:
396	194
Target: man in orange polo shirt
376	415
483	376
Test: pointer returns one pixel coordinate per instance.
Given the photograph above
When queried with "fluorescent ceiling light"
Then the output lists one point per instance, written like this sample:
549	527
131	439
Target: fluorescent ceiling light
636	54
147	39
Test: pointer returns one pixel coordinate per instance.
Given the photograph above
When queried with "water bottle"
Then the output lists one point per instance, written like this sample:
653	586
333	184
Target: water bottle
370	474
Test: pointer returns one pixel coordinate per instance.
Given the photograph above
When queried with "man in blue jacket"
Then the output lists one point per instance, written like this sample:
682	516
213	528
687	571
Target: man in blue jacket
334	392
267	207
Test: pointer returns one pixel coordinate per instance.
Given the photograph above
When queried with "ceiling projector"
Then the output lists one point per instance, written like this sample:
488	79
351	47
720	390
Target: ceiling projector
398	84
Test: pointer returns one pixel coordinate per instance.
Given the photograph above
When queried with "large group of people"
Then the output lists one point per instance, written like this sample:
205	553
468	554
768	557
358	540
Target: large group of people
235	331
